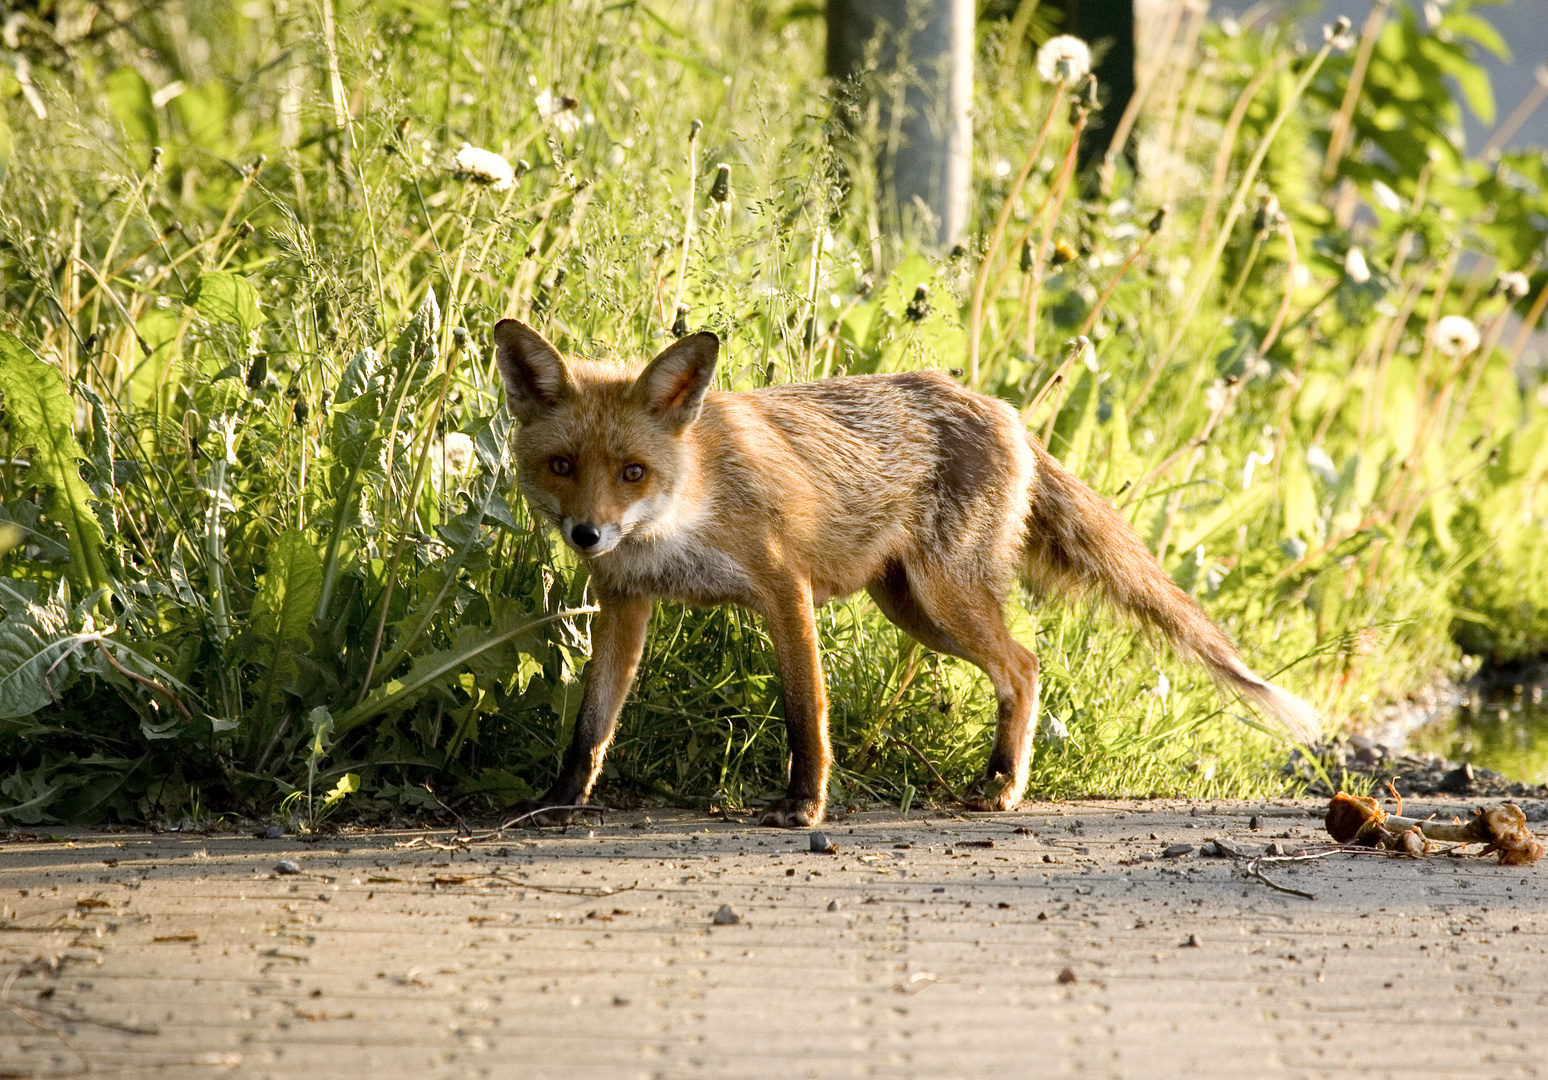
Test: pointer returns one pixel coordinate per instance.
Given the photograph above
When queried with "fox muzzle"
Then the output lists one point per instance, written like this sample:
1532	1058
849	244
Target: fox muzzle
590	539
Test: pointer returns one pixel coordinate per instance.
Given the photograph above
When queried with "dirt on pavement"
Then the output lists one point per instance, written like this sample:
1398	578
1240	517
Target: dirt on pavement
1057	940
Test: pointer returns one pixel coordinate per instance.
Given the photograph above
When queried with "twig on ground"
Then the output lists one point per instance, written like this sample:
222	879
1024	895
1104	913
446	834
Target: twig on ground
1254	872
531	814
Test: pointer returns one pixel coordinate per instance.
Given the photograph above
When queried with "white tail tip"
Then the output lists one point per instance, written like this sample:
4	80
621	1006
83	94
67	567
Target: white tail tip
1298	719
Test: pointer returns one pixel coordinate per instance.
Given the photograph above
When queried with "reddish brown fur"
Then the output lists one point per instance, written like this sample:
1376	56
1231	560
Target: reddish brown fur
929	496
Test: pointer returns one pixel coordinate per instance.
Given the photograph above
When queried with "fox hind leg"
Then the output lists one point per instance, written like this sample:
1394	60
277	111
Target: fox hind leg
968	617
897	601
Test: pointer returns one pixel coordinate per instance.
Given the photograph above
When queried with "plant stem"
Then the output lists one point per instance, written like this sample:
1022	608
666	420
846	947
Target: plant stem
976	311
1204	275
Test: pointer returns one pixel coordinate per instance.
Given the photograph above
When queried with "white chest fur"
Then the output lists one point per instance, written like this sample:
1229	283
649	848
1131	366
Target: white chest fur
678	565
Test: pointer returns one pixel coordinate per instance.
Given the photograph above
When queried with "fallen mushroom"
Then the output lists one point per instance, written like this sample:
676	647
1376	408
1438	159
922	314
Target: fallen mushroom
1355	819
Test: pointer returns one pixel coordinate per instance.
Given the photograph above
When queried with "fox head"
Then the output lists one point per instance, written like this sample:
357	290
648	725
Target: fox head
601	452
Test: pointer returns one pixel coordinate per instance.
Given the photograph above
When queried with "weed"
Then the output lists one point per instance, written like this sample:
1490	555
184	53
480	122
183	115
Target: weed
258	542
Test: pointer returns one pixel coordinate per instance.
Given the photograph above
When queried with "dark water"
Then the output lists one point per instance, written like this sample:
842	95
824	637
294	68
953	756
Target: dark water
1501	727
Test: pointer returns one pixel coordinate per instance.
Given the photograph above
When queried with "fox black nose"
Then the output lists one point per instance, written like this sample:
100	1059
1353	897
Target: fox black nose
585	535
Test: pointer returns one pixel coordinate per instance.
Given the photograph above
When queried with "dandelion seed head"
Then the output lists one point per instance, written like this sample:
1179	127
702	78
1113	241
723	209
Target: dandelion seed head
1318	460
1386	198
1063	59
484	167
1455	335
1514	285
1355	268
559	111
452	454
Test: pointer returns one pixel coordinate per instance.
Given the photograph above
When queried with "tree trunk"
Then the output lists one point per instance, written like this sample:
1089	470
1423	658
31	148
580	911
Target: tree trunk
1108	26
925	160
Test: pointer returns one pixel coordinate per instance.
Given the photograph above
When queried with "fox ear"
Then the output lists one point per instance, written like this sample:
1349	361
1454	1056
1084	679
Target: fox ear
673	384
535	375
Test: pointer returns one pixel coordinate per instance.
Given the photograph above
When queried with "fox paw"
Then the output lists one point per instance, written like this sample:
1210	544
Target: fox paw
993	793
793	813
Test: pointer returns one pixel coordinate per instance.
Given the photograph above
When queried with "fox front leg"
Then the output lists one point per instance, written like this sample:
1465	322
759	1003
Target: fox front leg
794	630
617	640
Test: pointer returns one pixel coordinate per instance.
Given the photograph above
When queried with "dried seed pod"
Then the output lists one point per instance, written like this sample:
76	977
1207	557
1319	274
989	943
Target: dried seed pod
258	371
680	324
720	190
919	307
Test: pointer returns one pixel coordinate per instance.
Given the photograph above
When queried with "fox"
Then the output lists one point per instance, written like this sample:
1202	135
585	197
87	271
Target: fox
931	497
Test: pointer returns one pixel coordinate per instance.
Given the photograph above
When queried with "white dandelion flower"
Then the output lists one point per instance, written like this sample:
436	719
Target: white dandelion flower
1386	198
484	167
1355	268
560	112
1455	335
1063	59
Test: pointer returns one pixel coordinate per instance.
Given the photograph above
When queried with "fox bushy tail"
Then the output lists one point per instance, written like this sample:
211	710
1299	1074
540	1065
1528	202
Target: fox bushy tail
1076	542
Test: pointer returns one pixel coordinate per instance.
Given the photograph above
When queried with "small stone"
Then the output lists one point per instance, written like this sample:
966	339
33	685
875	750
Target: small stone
1255	822
1210	850
822	845
1274	849
285	866
1176	851
724	916
270	832
1066	976
1191	943
1460	780
833	905
619	999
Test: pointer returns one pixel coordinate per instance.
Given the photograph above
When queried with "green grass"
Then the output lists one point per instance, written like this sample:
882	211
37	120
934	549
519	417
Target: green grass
259	335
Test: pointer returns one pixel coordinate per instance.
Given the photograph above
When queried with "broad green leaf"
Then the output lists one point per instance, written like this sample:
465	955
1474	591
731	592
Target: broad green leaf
158	328
1479	29
23	795
348	784
321	722
288	590
42	417
1299	498
130	96
432	667
227	297
40	656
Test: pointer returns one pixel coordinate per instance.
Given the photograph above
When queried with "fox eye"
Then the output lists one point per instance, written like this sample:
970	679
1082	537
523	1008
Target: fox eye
561	466
634	473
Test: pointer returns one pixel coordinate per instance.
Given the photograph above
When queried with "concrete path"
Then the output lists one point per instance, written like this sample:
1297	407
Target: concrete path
1050	942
